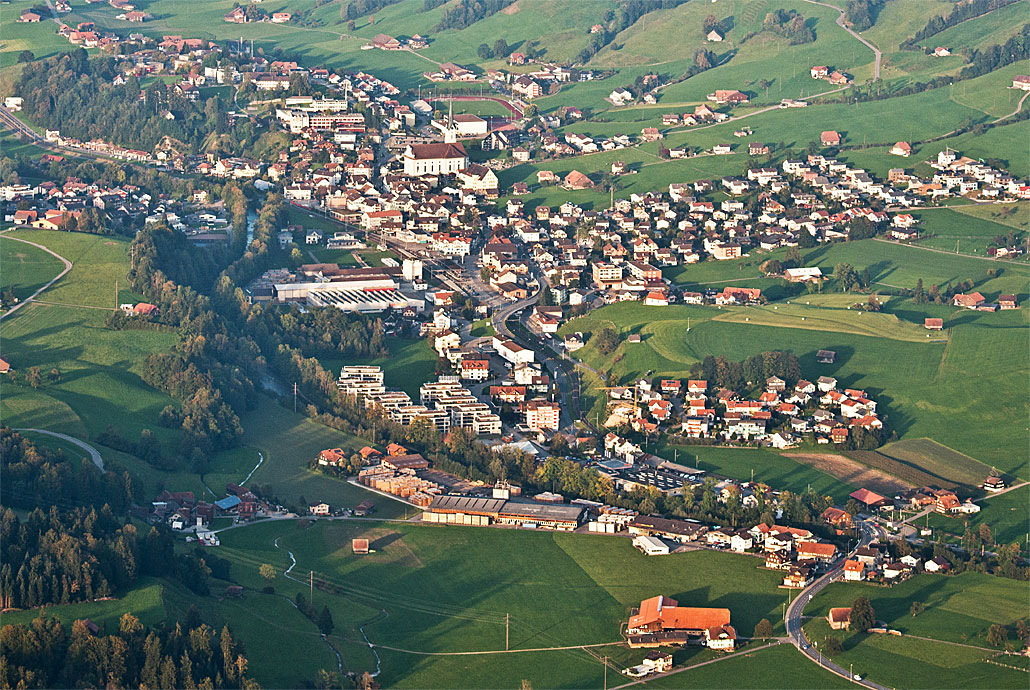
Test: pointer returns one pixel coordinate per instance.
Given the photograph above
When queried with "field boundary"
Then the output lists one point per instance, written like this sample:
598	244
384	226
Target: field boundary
851	471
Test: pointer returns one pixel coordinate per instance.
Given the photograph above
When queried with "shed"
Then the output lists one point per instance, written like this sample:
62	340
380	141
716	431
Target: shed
359	546
825	356
651	546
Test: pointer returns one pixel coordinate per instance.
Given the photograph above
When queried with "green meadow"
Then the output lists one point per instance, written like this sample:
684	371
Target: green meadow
26	268
411	362
1004	514
448	589
958	611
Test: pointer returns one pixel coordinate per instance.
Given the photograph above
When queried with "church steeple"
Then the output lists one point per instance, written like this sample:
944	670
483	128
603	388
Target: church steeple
450	133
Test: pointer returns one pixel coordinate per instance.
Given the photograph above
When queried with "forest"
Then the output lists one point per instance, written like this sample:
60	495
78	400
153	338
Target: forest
32	475
189	655
67	556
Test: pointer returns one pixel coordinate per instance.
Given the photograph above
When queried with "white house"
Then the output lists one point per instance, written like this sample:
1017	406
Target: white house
650	546
513	352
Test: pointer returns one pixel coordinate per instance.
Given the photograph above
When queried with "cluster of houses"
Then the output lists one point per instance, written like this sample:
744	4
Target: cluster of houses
49	205
959	175
834	77
779	417
182	512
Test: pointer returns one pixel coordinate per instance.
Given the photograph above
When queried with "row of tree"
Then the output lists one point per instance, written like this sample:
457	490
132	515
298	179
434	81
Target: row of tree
959	13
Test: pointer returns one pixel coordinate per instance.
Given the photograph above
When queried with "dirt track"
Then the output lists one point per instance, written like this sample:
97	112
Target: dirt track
852	472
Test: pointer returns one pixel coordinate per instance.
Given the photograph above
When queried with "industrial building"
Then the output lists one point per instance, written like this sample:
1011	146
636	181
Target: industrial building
471	510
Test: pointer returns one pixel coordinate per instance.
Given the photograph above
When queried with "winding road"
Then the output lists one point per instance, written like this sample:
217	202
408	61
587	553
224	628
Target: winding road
94	454
794	615
67	267
843	24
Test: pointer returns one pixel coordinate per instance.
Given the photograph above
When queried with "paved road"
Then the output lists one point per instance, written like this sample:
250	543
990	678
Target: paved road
67	267
842	24
795	611
94	454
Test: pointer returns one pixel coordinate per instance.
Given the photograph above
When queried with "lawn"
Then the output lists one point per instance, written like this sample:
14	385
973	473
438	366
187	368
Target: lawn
343	257
411	362
938	460
449	589
145	601
25	268
288	442
483	329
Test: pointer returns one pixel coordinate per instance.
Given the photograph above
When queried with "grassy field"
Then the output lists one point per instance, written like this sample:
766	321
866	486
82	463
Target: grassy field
909	662
145	601
970	228
776	667
958	610
992	28
449	588
768	466
938	460
26	268
411	362
288	442
1004	514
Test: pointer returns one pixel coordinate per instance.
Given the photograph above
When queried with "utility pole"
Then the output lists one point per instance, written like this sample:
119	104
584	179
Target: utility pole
604	660
116	294
294	396
311	580
507	620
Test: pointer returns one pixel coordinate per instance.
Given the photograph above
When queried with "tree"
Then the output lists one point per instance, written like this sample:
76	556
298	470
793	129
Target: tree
863	616
26	56
846	276
852	507
607	340
501	48
267	571
997	635
484	52
793	257
919	296
916	608
832	645
325	621
34	378
764	629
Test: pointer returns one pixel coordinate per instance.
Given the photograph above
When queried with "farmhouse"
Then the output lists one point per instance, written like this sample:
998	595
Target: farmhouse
829	138
902	148
932	324
839	618
1021	82
727	96
577	180
661	621
970	301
